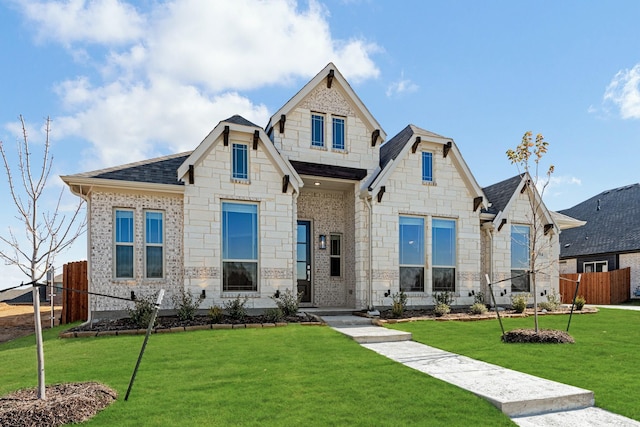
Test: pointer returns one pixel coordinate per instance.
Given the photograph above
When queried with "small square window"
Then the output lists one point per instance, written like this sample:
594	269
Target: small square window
338	133
317	130
427	167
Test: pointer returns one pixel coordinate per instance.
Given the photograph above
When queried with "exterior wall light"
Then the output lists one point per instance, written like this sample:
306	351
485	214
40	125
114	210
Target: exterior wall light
322	242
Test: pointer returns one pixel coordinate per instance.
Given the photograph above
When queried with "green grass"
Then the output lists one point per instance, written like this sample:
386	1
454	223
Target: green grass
604	358
288	376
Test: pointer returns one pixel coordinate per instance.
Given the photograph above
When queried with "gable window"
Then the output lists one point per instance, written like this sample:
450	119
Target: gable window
444	255
154	244
239	247
317	130
240	162
595	267
123	243
427	167
520	258
338	133
411	254
335	255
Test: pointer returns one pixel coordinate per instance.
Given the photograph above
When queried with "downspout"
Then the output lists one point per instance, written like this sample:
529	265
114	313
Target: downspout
369	276
489	231
294	215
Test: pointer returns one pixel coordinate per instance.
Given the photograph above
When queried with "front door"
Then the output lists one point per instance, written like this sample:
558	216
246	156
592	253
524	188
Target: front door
303	260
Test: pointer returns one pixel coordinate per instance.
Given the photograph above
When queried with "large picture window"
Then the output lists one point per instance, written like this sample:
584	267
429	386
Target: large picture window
444	255
154	244
520	258
124	243
317	130
411	254
240	247
240	161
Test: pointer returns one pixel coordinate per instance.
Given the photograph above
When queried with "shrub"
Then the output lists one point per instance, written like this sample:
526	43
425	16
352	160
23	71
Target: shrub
546	305
235	307
287	302
142	311
441	309
519	302
580	302
186	305
554	299
478	308
273	315
399	303
478	298
216	314
445	298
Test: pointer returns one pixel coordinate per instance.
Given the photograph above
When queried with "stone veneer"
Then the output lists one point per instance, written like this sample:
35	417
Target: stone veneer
633	262
102	206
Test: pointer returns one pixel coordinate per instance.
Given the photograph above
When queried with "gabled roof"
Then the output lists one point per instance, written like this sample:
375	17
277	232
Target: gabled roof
612	224
158	173
320	78
401	144
500	194
239	124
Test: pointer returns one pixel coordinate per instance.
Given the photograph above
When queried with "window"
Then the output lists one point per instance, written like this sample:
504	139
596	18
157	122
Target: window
520	258
338	133
124	244
317	130
154	248
444	255
411	254
595	267
335	255
240	161
239	247
427	167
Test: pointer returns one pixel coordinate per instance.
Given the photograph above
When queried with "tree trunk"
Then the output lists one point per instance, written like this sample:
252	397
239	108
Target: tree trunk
38	326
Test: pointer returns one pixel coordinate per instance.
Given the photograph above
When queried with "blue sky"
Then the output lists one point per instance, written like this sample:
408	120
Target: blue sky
124	81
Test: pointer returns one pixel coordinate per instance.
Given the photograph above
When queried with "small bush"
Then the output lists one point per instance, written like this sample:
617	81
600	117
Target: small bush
519	302
445	298
554	300
546	305
399	303
273	315
235	307
186	305
478	298
580	302
216	314
142	311
441	310
287	302
478	308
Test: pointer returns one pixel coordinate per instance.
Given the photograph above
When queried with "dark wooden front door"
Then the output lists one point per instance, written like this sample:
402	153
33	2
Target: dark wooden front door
303	260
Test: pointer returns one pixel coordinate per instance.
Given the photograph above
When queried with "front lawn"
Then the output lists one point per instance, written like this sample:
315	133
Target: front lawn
289	376
603	359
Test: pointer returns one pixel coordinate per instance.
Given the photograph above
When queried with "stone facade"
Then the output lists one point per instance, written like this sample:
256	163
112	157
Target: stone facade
633	261
101	211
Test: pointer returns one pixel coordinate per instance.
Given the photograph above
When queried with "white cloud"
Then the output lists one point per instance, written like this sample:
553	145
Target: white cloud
624	92
172	72
401	86
104	22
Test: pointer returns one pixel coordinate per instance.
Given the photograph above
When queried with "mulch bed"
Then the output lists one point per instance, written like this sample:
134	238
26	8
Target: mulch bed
548	336
64	404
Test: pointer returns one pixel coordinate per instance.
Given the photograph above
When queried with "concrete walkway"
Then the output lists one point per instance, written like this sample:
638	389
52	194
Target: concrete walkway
528	400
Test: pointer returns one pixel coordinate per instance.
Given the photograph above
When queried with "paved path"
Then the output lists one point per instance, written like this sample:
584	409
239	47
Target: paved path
529	401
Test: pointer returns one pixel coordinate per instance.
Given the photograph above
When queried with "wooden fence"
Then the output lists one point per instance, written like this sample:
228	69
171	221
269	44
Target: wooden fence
611	287
75	305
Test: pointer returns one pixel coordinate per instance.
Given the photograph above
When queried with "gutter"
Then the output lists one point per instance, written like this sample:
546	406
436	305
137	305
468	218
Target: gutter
367	202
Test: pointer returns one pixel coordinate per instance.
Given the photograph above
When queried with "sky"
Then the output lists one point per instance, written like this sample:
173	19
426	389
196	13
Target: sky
126	81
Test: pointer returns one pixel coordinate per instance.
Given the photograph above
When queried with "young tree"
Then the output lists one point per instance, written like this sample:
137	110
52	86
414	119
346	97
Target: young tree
46	232
526	157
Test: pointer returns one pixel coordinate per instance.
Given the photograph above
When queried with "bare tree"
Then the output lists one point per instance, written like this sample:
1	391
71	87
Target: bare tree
46	232
526	152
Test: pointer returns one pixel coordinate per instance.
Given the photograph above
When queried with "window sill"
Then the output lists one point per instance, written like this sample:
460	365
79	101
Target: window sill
317	147
429	183
340	150
234	294
240	181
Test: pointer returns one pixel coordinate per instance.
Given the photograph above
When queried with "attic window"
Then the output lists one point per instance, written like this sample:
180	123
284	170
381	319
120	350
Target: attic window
427	167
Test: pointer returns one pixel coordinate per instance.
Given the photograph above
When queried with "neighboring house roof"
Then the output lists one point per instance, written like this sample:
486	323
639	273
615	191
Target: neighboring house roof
328	171
612	224
500	194
401	144
318	79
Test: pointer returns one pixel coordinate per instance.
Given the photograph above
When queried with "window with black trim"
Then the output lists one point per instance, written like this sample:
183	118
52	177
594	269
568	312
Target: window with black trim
520	258
335	246
239	247
444	255
411	254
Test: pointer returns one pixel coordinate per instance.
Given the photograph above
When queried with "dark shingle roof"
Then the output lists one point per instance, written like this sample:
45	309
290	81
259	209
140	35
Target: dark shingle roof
328	171
239	120
499	194
613	224
162	170
390	149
